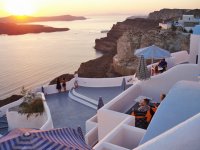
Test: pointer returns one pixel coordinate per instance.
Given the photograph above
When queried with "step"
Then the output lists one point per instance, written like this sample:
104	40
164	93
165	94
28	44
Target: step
82	101
95	102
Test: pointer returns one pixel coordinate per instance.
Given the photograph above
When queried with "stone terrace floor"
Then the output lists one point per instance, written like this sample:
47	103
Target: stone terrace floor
66	112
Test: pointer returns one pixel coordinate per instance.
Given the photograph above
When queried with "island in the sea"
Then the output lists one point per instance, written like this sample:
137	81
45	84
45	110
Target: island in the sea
29	19
19	29
16	25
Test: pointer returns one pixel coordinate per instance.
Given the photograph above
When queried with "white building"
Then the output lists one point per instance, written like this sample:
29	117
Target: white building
188	22
175	124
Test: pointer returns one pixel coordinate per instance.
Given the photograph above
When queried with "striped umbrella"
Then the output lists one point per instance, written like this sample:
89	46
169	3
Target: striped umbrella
62	139
142	72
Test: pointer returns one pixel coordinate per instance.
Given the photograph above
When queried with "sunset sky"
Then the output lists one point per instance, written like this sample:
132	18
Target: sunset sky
90	7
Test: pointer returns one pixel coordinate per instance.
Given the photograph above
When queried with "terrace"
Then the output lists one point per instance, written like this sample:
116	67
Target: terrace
66	112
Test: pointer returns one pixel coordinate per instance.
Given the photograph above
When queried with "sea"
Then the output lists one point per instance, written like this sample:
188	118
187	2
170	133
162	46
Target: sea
33	60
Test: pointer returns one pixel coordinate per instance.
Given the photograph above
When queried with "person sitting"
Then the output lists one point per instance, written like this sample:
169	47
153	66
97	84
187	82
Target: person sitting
144	105
162	97
163	65
154	70
142	114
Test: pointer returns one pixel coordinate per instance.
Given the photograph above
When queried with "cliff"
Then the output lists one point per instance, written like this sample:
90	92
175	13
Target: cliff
14	29
168	14
98	68
135	33
109	44
125	63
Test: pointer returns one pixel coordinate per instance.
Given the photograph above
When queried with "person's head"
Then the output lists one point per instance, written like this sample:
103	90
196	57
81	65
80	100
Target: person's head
162	96
58	80
163	59
144	102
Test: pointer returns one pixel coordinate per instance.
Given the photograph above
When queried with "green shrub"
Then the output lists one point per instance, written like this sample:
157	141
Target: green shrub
34	107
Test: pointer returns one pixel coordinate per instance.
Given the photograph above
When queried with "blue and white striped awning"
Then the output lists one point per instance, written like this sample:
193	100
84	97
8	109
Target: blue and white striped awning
56	139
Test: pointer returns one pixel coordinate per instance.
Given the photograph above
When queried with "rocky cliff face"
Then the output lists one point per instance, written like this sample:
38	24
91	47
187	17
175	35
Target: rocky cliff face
125	63
98	68
134	33
109	43
167	14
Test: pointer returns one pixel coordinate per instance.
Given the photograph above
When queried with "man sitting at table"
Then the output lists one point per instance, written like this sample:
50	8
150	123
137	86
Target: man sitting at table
163	65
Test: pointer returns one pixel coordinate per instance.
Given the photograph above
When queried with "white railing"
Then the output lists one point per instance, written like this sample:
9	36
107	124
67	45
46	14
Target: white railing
91	123
6	107
88	82
49	123
91	138
105	82
123	137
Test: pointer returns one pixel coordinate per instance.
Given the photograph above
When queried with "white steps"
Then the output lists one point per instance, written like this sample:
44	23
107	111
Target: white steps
83	99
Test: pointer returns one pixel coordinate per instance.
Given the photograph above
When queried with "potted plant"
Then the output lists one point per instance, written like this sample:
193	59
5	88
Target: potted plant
32	104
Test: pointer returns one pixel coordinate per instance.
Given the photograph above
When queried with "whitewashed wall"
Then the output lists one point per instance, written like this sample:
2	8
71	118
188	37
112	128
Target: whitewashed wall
184	136
112	113
194	48
104	82
16	120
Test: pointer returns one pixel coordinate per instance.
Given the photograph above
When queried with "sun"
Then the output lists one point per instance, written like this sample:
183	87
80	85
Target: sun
19	7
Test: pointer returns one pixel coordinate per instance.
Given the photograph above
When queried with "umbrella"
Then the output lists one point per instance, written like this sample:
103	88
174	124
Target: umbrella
142	72
152	52
100	103
64	138
123	84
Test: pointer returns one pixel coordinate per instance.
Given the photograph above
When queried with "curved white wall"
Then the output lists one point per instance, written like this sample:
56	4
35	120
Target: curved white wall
112	113
16	120
184	136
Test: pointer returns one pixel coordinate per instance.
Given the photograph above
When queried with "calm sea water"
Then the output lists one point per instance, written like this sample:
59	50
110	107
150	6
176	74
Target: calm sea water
34	59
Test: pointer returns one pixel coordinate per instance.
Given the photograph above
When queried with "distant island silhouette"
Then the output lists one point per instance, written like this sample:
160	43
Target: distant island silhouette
16	29
29	19
15	25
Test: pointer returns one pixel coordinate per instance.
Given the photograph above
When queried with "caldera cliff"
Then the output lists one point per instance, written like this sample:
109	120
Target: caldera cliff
127	36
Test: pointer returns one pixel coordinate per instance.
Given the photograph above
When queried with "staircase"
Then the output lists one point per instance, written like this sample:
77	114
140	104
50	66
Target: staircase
83	99
3	125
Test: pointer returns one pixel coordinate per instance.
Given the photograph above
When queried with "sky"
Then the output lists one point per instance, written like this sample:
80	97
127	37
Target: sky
90	7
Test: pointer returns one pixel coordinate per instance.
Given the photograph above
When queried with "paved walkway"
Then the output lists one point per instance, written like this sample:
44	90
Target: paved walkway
68	113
